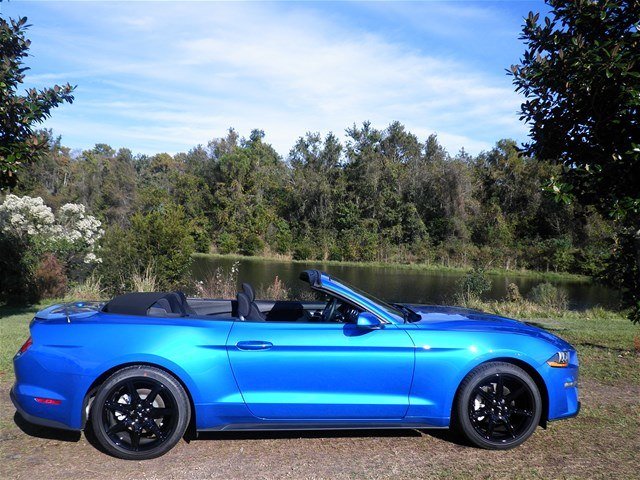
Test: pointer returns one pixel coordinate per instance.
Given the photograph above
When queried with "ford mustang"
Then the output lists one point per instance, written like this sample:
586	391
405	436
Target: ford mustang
143	367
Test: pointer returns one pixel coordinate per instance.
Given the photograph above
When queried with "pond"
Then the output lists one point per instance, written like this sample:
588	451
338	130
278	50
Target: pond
401	284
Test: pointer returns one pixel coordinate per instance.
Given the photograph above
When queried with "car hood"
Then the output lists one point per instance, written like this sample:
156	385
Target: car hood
465	319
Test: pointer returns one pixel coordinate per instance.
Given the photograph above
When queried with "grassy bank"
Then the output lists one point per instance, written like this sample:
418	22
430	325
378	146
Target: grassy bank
410	266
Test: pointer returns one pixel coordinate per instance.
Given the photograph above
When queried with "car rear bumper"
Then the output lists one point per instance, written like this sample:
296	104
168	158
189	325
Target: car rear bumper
31	418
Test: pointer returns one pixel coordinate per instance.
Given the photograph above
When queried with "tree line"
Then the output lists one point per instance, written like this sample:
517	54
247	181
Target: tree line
381	195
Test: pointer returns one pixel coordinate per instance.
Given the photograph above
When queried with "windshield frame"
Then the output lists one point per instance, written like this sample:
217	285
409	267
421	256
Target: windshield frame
384	309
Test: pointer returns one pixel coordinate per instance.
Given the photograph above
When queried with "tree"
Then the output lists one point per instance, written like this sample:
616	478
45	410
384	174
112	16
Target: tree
158	241
20	144
580	76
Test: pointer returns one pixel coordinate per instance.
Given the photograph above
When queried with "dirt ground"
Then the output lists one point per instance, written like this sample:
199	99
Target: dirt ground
603	442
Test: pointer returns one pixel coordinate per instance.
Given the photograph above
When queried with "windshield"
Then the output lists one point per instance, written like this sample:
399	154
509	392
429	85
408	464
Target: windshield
386	307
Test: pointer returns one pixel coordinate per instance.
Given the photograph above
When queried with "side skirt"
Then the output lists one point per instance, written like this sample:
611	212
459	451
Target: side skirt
315	426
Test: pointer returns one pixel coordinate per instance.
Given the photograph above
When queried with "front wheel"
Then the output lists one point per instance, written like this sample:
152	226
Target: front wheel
140	412
498	406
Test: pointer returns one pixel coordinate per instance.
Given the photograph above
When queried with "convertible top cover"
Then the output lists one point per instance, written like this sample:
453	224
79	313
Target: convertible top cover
139	303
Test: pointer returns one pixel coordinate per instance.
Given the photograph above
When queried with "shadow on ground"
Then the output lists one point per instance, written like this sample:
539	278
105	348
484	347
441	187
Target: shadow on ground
45	432
441	434
73	436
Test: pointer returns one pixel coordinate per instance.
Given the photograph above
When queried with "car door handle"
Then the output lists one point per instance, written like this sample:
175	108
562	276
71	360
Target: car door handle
254	345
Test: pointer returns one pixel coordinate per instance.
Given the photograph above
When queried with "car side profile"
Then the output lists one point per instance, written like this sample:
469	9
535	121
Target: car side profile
141	368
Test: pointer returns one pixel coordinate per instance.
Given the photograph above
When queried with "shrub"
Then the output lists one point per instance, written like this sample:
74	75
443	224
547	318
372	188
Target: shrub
161	239
17	266
474	284
513	293
549	296
50	278
279	236
227	243
302	250
31	235
200	231
252	245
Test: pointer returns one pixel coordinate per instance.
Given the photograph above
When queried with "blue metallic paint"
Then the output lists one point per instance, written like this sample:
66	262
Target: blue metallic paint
263	375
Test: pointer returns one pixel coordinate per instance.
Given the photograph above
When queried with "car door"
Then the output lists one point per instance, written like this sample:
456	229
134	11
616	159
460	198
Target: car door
322	371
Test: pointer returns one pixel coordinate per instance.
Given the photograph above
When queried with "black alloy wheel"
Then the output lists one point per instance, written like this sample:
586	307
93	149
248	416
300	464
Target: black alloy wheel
498	406
139	413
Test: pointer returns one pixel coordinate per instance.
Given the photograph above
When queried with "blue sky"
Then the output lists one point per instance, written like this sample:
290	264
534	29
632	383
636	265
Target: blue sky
166	76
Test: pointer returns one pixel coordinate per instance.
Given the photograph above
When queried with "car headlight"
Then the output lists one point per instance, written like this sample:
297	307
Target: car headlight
559	360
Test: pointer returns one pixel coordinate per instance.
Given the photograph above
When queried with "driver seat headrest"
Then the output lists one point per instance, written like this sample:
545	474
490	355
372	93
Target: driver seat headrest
249	291
244	306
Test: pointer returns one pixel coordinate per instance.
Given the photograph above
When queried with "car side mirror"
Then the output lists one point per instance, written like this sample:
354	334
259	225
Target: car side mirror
368	321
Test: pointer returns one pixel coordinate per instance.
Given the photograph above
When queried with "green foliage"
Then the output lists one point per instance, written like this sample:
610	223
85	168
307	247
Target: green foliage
227	243
549	296
303	250
19	114
159	239
17	264
474	285
251	245
580	76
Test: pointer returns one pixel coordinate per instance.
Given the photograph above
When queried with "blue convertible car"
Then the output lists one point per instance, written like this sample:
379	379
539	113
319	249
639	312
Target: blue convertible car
141	368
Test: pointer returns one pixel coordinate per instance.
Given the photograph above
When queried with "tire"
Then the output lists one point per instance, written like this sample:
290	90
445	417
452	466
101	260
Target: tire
139	413
498	406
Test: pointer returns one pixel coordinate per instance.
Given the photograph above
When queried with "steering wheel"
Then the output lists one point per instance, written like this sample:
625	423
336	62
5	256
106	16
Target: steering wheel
329	310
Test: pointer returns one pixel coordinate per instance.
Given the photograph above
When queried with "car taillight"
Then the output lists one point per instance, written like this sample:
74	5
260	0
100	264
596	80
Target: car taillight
26	346
48	401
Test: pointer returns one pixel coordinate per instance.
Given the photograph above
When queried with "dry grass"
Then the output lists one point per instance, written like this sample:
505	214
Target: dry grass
219	283
146	281
277	290
90	290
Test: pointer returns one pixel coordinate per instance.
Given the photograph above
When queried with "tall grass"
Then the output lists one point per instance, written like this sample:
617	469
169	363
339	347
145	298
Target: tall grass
276	290
89	290
219	283
146	281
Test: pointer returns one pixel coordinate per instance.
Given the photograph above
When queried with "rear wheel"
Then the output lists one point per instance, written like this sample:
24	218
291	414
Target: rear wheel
498	406
140	412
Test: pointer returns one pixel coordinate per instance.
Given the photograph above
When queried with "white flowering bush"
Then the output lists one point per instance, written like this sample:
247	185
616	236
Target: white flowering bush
41	251
71	232
79	229
26	216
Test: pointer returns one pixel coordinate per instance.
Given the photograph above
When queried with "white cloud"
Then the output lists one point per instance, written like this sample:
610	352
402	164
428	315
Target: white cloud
164	77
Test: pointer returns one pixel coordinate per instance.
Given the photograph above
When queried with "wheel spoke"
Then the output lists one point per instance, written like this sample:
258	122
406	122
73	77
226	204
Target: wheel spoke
154	393
117	407
153	426
500	387
510	428
521	411
490	427
117	427
133	393
160	412
485	395
135	440
515	394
